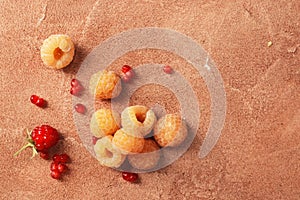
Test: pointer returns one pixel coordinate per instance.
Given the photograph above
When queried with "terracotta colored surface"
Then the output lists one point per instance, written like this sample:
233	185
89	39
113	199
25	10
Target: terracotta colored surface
257	156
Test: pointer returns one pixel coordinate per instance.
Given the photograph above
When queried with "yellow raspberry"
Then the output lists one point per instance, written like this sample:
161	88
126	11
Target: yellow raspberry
107	154
138	120
148	158
105	85
127	143
104	122
57	51
170	130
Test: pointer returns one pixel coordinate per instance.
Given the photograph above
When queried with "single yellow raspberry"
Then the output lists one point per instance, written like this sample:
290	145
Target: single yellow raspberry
57	51
107	154
105	85
170	130
138	120
104	122
147	158
127	143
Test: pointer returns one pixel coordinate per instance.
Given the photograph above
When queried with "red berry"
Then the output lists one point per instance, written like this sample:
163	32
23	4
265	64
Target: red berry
40	102
75	90
126	79
74	82
61	158
94	140
55	174
44	155
62	167
44	137
80	108
34	99
126	68
130	74
54	166
168	70
131	177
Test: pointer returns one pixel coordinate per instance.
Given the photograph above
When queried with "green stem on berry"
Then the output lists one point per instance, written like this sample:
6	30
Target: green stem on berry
29	144
24	147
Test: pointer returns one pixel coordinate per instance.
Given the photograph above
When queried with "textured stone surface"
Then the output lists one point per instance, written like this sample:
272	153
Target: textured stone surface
257	156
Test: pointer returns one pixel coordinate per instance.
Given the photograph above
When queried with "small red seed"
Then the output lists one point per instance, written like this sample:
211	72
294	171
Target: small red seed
80	108
75	90
130	74
61	158
128	176
34	99
126	68
55	174
40	102
168	70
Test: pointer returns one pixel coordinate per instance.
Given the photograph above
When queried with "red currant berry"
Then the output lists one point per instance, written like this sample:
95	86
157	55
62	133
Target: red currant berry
80	108
34	99
168	70
130	74
44	155
54	166
55	174
62	158
74	82
131	177
40	102
126	68
75	90
126	79
94	140
62	167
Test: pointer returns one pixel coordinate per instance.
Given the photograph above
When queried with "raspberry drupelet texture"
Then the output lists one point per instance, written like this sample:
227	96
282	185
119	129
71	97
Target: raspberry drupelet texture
127	143
105	122
105	85
170	130
107	154
138	120
57	51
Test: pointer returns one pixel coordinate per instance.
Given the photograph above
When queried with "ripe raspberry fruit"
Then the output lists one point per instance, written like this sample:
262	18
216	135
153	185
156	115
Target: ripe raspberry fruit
138	119
170	130
105	122
105	85
57	51
147	158
127	143
107	154
130	177
41	138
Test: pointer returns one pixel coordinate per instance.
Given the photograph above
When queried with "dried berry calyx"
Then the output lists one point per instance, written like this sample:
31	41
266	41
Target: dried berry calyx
29	144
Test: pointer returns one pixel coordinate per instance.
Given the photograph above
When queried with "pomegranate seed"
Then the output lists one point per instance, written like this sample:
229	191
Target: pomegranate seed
54	166
74	82
44	155
131	177
126	68
168	70
55	174
130	74
62	167
40	102
80	108
94	140
62	158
